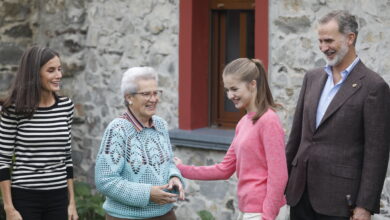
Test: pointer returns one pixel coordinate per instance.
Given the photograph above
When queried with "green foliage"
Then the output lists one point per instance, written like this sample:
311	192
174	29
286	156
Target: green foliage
89	205
205	215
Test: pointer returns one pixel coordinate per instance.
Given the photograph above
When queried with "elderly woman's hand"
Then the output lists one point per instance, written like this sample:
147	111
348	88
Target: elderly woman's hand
159	196
175	182
177	161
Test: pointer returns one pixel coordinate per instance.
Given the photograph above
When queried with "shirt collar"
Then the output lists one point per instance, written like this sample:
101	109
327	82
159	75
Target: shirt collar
129	115
344	73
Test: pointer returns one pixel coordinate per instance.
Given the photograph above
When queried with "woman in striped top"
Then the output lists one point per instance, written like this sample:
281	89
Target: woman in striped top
35	142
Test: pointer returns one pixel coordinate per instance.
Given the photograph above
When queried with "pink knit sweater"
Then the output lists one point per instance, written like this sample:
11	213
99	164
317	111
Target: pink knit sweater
257	155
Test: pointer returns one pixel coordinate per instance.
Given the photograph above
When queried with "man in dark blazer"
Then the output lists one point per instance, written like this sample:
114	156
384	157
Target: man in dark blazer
338	149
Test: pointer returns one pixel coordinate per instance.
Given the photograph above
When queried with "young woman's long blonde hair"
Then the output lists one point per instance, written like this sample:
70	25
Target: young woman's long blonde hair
253	69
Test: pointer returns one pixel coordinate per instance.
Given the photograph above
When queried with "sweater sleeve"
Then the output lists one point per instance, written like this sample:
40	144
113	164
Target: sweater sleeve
221	171
110	163
272	136
68	160
8	130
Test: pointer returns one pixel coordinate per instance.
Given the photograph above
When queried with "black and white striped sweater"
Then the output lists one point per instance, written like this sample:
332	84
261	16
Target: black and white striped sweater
41	145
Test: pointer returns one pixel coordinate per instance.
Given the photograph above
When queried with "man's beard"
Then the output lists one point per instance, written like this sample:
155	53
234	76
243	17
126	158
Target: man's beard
339	55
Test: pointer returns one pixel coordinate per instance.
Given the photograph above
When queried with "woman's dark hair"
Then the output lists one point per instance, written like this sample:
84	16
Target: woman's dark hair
253	69
26	88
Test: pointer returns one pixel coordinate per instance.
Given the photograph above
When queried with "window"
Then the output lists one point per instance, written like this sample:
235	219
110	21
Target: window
195	54
232	36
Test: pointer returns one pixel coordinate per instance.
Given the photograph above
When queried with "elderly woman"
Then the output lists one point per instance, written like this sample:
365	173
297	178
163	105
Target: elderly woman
134	166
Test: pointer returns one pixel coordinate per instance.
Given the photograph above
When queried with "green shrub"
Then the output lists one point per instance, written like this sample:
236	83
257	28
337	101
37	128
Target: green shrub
205	215
89	205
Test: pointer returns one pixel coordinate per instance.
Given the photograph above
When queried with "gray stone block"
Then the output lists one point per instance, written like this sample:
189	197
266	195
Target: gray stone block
22	30
5	81
10	53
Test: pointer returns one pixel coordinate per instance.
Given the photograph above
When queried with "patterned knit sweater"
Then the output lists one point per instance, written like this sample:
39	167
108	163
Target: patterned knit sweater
130	161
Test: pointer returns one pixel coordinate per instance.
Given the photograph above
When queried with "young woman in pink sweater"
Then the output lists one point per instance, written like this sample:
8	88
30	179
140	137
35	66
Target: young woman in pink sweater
257	151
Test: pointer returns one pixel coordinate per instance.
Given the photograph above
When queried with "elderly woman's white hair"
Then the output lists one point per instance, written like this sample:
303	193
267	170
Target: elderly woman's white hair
131	76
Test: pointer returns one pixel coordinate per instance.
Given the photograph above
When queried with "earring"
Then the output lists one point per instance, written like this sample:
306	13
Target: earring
130	103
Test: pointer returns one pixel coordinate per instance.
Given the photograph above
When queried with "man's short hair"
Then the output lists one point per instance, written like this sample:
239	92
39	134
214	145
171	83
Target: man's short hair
347	22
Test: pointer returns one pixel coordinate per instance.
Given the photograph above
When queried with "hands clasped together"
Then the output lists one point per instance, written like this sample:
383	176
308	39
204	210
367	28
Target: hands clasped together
161	197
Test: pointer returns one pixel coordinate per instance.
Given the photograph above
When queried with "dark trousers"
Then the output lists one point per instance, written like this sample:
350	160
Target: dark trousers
304	211
41	204
169	216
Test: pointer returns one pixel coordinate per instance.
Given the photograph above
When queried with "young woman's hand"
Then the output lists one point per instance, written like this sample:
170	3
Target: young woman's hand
177	161
72	212
13	214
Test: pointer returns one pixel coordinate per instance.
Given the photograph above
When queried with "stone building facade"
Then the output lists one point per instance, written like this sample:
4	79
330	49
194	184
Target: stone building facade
99	39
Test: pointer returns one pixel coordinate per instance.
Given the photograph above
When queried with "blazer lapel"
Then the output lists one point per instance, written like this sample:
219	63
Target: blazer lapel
317	87
351	85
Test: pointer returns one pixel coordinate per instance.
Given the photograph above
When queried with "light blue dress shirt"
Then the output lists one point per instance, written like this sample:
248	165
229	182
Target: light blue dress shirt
330	89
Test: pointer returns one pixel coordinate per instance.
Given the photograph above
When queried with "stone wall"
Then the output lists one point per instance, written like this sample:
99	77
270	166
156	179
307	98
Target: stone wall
17	22
99	39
